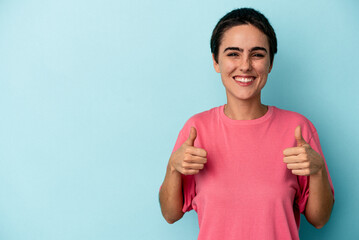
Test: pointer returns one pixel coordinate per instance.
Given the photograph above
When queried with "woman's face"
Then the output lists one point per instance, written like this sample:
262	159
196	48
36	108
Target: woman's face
244	62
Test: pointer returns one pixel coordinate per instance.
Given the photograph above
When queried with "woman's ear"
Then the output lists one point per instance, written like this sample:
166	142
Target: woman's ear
215	64
270	67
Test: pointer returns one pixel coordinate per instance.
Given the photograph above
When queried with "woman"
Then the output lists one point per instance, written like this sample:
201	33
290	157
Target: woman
247	169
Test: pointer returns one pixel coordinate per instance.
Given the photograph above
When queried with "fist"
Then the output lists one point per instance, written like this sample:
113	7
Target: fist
302	160
189	160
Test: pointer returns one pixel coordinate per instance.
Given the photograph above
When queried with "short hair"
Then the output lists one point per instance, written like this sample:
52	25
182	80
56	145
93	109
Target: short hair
242	16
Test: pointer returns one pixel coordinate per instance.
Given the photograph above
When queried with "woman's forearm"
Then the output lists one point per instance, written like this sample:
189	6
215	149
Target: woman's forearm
171	196
320	200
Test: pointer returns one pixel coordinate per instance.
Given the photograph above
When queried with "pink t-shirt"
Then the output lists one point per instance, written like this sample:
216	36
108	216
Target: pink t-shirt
245	190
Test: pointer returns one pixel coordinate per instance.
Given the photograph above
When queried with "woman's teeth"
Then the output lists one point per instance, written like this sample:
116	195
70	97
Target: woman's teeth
243	80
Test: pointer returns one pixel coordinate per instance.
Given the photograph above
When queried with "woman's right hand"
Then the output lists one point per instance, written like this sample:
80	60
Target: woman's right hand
188	160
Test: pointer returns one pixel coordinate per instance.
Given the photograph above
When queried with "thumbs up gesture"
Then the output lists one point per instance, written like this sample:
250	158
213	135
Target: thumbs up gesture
189	160
302	159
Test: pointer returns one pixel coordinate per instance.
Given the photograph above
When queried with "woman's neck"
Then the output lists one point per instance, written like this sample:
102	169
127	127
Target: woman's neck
245	110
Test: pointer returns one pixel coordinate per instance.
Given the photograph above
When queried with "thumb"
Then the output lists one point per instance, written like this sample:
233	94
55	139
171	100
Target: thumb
298	136
192	136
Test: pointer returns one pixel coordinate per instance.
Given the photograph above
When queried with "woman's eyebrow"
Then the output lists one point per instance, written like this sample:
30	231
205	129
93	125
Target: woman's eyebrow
241	50
258	48
233	48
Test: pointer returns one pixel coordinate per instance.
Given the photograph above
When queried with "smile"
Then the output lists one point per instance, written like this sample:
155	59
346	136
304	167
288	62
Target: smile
245	80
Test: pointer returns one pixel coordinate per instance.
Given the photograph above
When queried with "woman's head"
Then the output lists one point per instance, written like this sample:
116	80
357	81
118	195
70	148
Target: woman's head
239	17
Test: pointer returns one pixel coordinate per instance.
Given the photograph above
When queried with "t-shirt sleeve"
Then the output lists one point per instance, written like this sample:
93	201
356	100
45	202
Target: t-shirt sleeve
304	180
188	181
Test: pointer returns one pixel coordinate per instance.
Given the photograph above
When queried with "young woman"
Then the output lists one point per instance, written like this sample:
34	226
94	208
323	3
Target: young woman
247	169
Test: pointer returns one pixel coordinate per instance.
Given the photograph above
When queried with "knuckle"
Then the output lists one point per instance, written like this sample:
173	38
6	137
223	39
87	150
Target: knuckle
187	172
188	149
205	153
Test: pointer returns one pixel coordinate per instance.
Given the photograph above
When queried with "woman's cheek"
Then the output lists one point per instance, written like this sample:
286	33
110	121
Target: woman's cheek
229	67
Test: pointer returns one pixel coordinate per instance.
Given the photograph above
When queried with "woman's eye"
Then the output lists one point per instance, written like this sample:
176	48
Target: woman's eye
258	55
232	54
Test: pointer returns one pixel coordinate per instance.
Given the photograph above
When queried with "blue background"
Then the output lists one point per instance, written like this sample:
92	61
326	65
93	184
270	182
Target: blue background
94	93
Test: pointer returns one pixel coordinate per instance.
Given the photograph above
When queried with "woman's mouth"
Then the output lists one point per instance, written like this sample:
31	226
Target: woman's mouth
244	81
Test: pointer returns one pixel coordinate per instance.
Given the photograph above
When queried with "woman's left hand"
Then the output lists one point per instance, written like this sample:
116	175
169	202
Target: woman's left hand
302	160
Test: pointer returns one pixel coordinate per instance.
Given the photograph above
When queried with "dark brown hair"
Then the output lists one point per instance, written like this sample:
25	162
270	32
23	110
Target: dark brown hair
239	17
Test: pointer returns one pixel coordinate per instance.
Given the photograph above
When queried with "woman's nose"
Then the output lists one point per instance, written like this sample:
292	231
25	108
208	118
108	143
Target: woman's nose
245	64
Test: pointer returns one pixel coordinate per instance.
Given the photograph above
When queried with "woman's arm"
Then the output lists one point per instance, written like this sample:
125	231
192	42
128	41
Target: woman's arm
171	198
187	160
304	161
320	201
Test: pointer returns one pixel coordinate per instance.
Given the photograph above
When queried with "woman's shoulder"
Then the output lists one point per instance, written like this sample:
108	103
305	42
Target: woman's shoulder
205	117
288	113
200	121
289	117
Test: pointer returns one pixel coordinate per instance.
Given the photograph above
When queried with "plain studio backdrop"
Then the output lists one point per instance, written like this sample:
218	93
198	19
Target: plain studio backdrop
94	93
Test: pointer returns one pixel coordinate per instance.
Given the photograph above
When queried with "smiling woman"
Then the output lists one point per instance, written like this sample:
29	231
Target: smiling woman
244	64
249	170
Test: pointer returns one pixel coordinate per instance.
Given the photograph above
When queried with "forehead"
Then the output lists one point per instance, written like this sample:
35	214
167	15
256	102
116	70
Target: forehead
244	36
